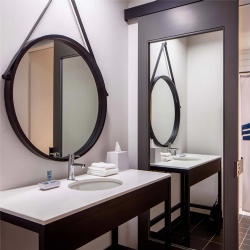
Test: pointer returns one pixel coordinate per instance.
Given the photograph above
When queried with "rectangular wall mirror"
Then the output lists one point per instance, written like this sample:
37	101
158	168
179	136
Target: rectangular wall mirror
195	65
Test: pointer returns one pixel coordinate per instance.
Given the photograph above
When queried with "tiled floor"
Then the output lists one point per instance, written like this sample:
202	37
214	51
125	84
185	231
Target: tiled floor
201	236
244	232
203	239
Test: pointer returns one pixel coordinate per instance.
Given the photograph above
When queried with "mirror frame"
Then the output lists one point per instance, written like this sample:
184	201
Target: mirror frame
176	107
100	85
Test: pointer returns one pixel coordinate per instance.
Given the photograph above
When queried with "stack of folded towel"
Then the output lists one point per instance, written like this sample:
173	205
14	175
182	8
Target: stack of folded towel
102	169
166	156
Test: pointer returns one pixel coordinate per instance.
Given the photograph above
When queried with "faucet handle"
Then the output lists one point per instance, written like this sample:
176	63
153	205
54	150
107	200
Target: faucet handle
55	154
81	165
73	156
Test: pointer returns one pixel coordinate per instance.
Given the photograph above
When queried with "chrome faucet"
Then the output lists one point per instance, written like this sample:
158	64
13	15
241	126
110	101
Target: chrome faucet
173	151
72	165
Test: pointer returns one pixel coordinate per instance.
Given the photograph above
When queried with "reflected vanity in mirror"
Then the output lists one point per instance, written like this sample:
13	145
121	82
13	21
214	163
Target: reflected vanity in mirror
196	65
56	97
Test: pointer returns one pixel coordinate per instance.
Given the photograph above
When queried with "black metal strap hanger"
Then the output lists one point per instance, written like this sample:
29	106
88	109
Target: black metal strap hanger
82	27
7	73
163	48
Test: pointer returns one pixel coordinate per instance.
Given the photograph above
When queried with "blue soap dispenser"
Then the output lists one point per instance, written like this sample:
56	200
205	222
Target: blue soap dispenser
49	183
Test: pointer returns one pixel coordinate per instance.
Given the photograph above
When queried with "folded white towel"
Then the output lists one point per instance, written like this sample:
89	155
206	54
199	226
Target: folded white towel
103	172
165	154
100	169
169	158
103	165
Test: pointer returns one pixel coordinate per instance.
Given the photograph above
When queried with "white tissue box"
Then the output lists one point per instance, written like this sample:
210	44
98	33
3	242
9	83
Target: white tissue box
118	158
155	155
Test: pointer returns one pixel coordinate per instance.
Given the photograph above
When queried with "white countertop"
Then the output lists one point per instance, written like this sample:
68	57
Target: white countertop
44	207
181	164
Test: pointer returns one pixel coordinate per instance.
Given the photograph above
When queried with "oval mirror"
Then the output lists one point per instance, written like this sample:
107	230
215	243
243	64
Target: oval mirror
165	111
56	98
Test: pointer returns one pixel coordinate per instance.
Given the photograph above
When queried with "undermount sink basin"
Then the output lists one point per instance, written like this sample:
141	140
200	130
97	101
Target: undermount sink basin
95	184
185	158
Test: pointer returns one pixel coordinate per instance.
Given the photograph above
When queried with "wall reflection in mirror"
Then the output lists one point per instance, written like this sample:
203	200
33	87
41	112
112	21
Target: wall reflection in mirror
55	98
197	66
162	119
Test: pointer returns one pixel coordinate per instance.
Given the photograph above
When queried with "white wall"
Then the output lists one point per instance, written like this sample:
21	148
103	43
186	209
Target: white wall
205	106
107	32
134	3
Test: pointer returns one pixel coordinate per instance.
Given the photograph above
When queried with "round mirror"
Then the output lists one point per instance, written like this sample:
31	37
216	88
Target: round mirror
165	111
56	98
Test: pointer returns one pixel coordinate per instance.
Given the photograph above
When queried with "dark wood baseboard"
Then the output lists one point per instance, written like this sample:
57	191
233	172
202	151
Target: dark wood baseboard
119	247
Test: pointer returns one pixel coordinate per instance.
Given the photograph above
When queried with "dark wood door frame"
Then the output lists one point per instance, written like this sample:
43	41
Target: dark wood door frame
196	18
